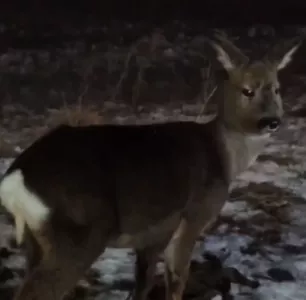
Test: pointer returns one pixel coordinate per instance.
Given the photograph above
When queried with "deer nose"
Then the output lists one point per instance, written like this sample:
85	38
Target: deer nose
270	123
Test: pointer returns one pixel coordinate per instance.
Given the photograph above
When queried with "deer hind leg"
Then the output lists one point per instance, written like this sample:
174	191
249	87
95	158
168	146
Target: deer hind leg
32	250
67	252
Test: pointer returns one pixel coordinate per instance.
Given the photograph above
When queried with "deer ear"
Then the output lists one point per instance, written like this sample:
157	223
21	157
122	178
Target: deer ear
281	55
227	53
287	57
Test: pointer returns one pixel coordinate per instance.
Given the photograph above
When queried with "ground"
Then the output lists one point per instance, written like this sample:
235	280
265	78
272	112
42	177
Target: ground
126	74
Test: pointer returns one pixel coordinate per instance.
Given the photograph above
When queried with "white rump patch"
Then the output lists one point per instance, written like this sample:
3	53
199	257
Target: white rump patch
26	207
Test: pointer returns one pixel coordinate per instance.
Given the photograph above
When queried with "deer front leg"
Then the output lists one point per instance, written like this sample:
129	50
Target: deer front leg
177	259
146	260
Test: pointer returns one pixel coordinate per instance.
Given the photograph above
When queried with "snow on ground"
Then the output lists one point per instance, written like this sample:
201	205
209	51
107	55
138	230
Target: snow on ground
290	175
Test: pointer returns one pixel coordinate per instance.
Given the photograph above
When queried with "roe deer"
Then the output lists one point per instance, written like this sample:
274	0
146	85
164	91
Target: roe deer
151	187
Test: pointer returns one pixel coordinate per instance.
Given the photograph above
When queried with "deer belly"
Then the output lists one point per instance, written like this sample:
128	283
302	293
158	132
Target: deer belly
154	234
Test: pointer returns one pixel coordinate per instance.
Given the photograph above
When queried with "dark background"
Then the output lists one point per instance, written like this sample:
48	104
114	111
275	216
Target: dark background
215	11
45	46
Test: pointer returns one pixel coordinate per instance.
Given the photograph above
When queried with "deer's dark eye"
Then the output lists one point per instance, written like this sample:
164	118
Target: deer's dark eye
277	91
248	93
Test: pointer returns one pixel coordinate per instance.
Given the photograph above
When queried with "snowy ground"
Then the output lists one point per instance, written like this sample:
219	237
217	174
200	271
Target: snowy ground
261	228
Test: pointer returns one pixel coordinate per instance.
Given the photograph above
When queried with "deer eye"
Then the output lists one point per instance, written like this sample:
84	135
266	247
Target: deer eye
248	93
277	91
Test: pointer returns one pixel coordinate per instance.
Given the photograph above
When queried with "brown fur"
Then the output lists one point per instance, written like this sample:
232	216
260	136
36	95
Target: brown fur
150	187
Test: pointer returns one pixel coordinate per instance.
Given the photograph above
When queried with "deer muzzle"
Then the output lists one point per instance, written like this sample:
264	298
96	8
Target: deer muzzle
269	124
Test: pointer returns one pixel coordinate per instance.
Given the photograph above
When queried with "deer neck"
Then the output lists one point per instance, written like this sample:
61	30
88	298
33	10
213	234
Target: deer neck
241	150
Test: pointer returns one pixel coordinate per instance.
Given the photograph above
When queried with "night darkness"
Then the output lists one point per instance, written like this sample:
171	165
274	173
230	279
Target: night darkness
96	62
213	11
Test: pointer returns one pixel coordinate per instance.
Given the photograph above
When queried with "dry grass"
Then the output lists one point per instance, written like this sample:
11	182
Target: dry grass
73	115
208	90
18	130
273	200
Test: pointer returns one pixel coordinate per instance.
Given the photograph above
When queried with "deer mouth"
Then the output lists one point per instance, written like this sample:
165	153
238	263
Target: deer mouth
269	124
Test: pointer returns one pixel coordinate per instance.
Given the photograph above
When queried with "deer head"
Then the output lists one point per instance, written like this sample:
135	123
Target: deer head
251	102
